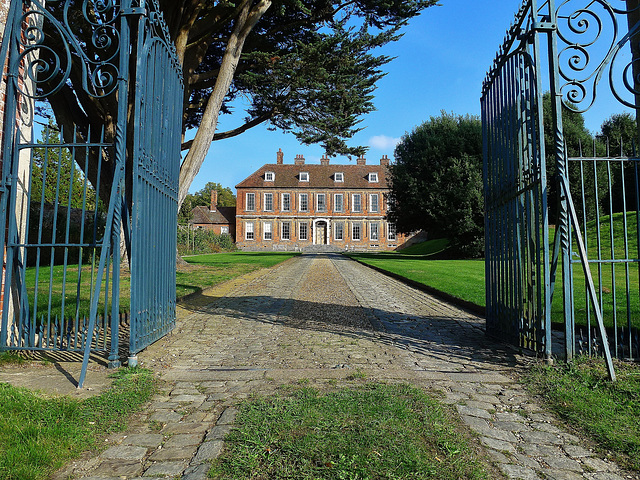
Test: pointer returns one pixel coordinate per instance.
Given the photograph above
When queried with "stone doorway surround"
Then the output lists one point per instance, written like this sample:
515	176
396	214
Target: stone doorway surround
321	231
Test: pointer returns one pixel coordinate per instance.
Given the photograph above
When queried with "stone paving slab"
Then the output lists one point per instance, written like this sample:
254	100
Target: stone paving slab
327	320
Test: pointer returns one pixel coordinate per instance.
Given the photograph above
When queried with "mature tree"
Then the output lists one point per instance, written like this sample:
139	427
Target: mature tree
226	198
55	176
579	143
303	65
619	134
436	182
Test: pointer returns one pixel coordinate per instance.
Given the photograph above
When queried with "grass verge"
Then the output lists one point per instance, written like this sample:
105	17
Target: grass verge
583	396
369	432
38	435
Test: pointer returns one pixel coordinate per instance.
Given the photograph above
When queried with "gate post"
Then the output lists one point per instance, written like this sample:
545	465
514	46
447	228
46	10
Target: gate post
563	222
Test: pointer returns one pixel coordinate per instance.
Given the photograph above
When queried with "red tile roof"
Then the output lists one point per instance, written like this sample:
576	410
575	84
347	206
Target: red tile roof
320	176
222	215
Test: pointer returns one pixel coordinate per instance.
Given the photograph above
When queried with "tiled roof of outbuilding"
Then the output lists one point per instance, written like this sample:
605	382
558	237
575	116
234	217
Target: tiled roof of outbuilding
320	176
222	215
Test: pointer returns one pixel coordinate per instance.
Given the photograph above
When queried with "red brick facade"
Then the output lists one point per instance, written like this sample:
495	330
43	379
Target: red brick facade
293	207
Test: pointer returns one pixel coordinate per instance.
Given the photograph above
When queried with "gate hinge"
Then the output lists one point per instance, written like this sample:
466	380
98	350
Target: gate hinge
544	26
134	11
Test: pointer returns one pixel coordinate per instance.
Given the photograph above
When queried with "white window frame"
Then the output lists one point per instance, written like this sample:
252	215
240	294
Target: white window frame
247	203
306	231
301	204
304	176
374	207
269	176
285	235
355	225
322	208
267	207
338	206
373	177
267	231
391	231
357	204
249	231
338	227
338	177
374	231
286	205
224	230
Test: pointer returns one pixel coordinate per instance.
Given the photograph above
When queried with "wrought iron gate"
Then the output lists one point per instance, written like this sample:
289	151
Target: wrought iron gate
517	251
66	197
521	273
155	185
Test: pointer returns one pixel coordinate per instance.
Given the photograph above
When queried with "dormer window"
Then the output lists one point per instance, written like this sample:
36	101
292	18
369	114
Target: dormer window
304	176
373	178
338	177
269	176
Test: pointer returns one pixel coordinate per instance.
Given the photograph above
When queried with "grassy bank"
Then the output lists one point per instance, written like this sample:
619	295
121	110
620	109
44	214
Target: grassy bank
371	431
39	434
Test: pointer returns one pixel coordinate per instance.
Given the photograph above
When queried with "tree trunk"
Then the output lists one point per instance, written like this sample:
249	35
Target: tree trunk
204	136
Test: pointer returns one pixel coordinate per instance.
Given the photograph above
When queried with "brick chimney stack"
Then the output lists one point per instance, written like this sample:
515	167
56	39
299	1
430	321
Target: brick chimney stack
214	200
384	160
280	157
299	160
324	160
361	160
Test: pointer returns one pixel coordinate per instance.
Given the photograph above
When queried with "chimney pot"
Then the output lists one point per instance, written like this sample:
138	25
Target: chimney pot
279	157
361	160
299	160
384	160
324	160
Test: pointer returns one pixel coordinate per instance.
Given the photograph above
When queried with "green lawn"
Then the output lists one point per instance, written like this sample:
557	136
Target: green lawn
202	272
465	279
211	269
39	434
372	431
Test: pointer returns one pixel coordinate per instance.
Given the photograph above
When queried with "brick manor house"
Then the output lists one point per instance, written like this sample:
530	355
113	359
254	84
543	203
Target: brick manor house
324	207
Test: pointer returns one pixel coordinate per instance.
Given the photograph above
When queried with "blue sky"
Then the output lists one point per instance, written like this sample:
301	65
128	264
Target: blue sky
441	62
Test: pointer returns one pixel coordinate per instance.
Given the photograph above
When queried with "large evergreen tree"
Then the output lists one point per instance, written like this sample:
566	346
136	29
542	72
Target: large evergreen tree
304	66
436	182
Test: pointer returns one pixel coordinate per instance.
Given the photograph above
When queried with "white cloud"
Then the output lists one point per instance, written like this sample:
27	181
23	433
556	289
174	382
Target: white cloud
383	142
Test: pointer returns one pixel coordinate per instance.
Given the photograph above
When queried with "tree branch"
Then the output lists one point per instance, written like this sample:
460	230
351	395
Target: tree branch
236	131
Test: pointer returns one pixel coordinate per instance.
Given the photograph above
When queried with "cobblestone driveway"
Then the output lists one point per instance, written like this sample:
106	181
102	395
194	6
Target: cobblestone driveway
321	319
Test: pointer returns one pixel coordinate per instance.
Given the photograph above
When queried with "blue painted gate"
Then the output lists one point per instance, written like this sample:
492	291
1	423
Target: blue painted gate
98	81
592	265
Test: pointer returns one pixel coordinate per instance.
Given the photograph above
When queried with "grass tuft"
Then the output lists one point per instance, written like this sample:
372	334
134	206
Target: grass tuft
11	358
374	431
582	394
39	434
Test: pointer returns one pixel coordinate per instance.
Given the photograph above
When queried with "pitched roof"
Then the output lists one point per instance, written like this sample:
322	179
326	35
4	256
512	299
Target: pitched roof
320	176
222	215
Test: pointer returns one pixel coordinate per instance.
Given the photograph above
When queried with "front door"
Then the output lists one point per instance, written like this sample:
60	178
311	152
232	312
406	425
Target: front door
321	233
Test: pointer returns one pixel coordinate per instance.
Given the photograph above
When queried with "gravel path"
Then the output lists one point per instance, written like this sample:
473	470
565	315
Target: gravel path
321	319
